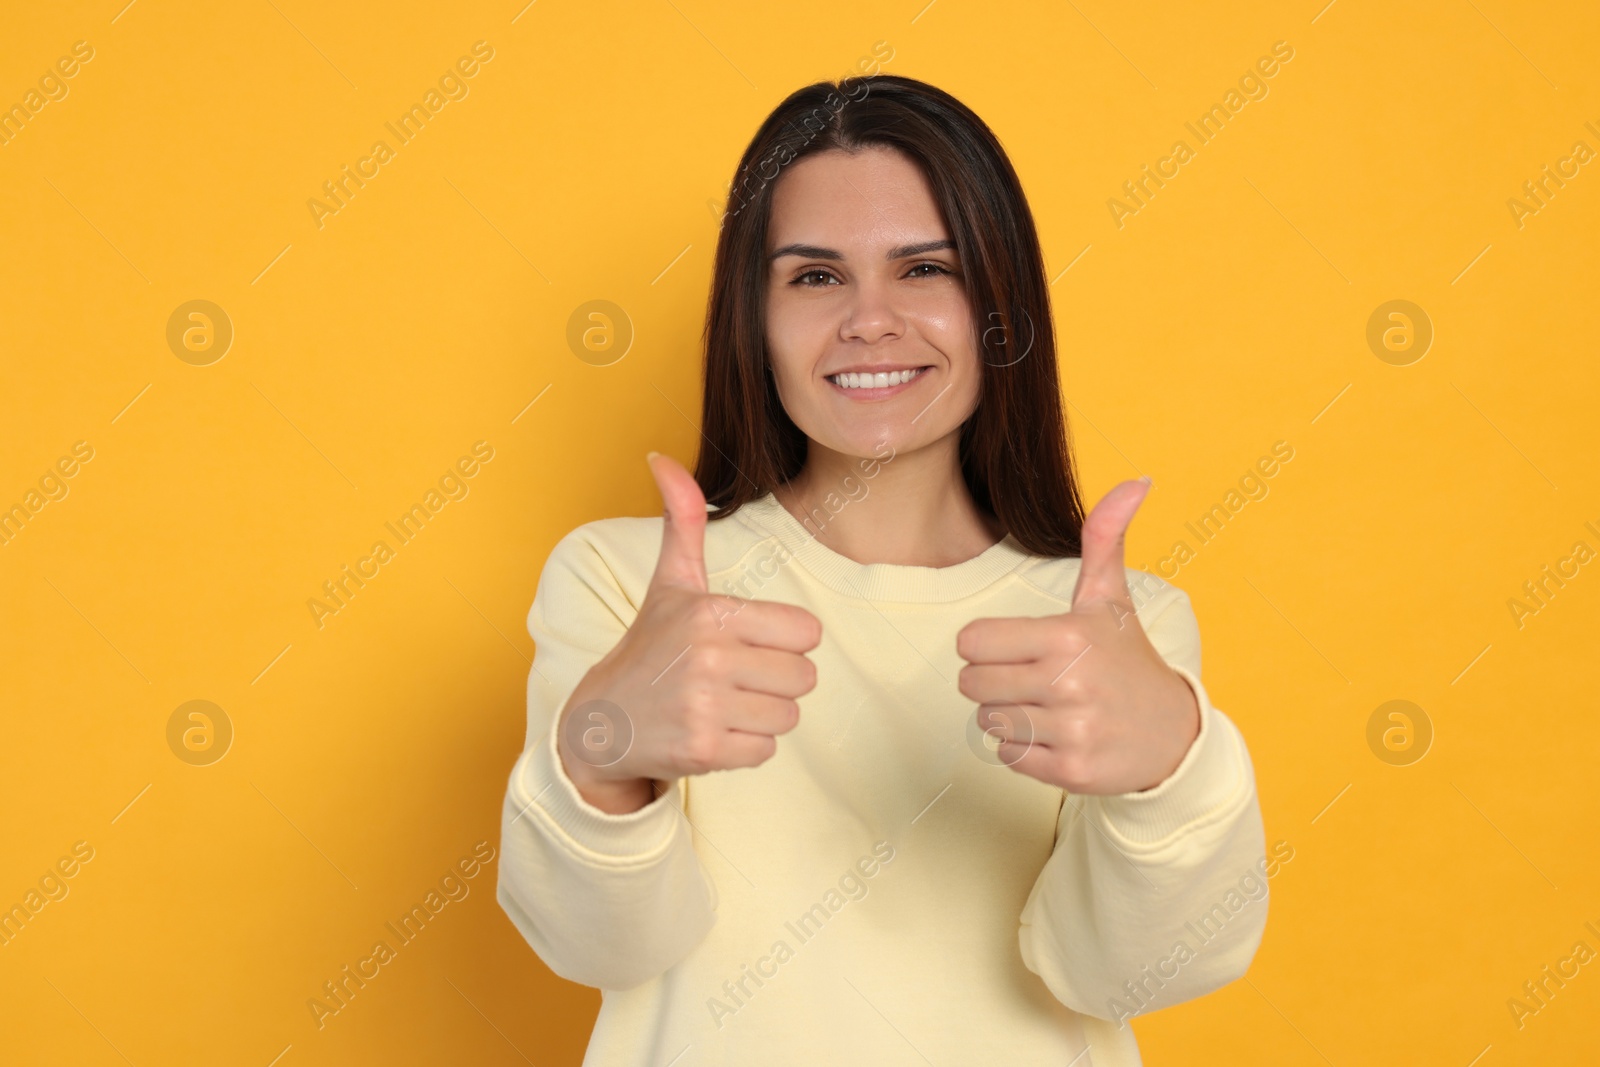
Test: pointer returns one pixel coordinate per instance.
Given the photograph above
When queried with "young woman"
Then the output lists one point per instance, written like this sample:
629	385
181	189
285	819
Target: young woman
870	749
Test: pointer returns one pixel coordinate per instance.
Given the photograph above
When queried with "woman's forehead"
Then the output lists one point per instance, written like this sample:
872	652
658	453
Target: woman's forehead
868	202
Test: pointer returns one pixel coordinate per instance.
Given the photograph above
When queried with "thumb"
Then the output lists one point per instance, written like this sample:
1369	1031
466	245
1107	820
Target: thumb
1103	575
682	563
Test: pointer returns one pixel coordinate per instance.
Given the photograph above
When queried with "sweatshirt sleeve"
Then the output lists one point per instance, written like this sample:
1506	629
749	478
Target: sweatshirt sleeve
605	900
1153	898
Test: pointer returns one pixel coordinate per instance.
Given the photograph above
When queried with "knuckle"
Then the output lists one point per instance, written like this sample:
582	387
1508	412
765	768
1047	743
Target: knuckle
1070	684
723	608
708	613
710	661
1068	635
700	711
1076	733
1074	769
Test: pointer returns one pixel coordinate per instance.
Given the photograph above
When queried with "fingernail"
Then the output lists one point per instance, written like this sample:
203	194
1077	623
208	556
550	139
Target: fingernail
648	456
1146	480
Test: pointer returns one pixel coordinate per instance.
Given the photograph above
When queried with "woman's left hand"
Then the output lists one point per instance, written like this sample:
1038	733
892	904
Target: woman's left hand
1083	700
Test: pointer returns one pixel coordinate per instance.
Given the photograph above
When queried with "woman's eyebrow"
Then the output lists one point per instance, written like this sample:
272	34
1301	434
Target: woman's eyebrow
903	252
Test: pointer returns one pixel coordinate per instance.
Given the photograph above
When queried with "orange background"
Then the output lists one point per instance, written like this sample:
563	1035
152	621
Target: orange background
369	755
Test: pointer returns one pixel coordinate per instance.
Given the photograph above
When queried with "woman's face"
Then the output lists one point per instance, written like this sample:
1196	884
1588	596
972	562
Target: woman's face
863	279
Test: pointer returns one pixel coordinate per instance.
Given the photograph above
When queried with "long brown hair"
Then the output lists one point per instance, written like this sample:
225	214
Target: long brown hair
1014	450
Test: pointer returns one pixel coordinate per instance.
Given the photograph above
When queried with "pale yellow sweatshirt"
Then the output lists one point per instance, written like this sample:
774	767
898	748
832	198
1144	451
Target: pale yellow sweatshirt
882	890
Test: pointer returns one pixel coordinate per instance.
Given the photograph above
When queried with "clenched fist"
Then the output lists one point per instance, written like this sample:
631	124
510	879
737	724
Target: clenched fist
700	682
1083	700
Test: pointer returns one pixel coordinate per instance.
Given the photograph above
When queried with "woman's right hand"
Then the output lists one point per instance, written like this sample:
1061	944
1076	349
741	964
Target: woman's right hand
700	682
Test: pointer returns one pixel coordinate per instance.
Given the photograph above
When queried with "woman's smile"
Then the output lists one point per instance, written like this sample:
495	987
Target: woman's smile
867	383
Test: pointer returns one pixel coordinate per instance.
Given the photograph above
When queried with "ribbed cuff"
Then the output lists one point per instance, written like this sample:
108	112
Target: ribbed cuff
599	836
1209	777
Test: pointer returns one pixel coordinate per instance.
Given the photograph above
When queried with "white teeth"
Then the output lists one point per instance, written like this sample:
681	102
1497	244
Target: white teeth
874	381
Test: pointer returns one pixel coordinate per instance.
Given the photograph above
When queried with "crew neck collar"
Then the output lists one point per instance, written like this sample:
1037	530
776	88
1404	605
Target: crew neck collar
881	581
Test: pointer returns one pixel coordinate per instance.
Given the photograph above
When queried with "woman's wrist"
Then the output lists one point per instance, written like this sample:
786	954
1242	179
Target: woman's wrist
617	797
614	796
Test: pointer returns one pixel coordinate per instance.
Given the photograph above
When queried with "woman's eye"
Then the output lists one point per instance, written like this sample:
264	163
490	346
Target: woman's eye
818	278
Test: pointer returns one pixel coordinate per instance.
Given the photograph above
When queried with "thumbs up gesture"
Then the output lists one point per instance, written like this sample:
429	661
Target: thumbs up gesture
700	682
1083	701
